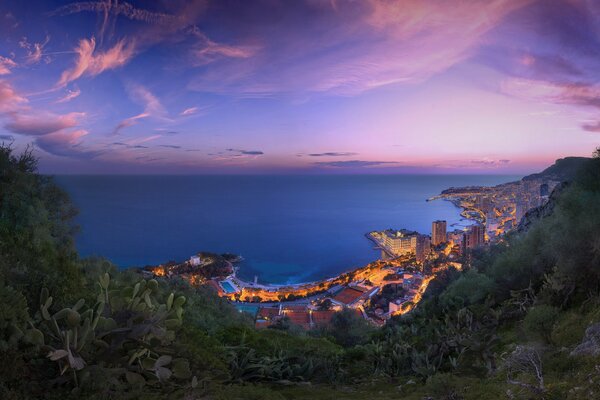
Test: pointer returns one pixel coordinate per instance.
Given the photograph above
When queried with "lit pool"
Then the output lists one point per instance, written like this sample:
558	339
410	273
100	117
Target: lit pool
227	287
248	308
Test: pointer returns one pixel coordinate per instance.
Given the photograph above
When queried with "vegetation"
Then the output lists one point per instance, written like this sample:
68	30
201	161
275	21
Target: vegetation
518	322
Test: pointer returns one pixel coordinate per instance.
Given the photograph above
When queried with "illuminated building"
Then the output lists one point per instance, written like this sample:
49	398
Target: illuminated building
438	232
400	242
474	237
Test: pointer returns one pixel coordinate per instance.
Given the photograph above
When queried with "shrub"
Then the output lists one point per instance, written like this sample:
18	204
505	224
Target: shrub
540	321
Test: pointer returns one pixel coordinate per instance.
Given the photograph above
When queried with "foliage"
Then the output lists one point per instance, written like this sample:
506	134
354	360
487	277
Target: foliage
99	332
123	340
540	321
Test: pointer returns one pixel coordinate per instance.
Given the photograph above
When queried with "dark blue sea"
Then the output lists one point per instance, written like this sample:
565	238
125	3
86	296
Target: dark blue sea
288	228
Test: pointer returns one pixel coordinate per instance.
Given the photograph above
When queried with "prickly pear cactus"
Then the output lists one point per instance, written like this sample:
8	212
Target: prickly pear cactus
126	335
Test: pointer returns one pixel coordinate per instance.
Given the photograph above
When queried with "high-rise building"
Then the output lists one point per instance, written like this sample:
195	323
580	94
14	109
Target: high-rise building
423	248
474	237
438	232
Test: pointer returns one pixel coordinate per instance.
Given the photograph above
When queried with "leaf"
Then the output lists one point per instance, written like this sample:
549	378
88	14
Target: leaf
100	307
136	355
179	301
34	336
163	373
44	295
147	299
61	314
173	323
162	361
73	318
148	364
135	379
76	362
181	369
79	304
136	289
57	354
105	281
170	301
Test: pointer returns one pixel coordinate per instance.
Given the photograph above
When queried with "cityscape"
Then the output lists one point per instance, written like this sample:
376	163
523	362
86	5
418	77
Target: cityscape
387	287
299	199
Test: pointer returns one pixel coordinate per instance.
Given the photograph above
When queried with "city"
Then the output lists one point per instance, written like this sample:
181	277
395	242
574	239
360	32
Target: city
391	286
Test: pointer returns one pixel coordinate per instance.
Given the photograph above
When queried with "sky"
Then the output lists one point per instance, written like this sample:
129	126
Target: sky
304	86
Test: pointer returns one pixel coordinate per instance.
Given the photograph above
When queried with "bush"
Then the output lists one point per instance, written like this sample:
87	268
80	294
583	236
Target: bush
540	321
443	387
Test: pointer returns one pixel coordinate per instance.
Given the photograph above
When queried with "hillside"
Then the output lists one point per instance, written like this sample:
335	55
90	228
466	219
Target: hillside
563	169
520	321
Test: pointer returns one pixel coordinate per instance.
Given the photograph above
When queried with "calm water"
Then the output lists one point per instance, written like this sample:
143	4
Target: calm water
288	228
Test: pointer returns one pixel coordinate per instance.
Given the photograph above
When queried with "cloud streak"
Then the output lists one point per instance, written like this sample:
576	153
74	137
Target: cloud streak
70	95
152	107
333	154
399	42
90	62
353	163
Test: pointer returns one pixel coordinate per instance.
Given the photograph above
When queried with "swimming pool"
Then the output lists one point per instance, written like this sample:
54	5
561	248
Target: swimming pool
248	308
227	287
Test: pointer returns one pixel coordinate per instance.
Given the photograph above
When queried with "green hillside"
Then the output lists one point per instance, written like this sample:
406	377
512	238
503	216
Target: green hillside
521	320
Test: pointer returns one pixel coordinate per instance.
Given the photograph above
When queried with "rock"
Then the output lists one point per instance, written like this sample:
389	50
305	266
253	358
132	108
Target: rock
590	346
543	211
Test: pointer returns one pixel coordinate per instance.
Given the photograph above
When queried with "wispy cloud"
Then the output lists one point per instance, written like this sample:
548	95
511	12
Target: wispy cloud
399	42
189	111
70	95
91	62
35	50
353	163
333	154
246	152
152	107
117	8
207	50
6	64
574	93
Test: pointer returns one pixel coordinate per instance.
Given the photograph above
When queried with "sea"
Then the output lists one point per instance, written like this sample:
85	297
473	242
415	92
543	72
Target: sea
288	229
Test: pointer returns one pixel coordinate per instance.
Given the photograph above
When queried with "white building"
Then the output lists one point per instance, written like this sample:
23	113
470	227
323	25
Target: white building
195	261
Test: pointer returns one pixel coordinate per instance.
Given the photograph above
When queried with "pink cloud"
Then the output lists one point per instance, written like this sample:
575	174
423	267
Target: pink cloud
42	123
6	64
152	107
91	62
210	50
361	46
10	100
66	144
129	122
189	111
34	50
579	94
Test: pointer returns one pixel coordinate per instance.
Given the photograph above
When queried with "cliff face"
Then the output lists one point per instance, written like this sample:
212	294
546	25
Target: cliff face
542	211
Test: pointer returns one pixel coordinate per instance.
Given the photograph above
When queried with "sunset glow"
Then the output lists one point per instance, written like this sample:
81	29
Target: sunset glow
502	86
